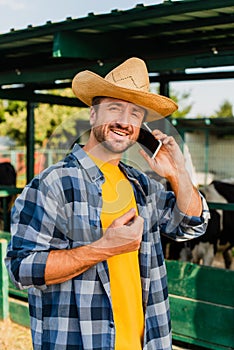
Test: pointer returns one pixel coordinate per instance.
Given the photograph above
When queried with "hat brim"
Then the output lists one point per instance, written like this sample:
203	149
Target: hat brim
86	85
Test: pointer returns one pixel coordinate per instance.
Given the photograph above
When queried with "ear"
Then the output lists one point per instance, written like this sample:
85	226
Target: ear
93	116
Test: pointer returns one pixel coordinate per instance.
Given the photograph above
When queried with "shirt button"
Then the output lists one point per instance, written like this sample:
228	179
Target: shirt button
111	325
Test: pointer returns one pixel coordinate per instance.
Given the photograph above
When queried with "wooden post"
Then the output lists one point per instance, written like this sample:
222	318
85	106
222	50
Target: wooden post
30	141
4	303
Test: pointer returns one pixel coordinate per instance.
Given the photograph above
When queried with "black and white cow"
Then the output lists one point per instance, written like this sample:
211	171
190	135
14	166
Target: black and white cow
218	236
7	174
220	230
7	178
199	250
226	189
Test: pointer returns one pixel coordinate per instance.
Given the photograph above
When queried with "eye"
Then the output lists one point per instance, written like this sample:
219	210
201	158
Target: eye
115	108
138	114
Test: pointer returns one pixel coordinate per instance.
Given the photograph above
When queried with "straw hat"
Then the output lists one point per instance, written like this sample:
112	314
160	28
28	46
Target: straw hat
130	82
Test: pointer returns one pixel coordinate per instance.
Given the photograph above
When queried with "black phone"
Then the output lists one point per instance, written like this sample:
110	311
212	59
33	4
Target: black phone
148	142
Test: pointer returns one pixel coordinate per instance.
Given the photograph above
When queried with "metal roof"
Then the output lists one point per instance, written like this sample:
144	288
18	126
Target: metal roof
170	37
218	126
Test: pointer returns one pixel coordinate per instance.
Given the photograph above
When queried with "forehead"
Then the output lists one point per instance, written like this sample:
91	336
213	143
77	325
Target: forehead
109	100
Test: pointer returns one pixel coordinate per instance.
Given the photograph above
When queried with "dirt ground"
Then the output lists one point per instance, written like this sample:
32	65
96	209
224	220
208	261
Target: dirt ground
16	337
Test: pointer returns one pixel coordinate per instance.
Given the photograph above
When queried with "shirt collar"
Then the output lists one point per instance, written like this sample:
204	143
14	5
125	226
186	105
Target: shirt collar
93	172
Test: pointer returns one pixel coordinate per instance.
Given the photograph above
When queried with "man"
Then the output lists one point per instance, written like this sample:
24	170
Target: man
86	232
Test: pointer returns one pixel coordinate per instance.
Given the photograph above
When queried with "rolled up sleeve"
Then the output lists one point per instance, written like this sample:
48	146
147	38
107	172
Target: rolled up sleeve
179	226
36	228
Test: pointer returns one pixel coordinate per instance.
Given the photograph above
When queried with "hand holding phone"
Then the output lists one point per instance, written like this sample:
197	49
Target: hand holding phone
148	142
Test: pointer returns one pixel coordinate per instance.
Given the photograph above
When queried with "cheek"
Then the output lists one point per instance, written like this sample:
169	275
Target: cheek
99	120
136	131
135	134
99	131
136	123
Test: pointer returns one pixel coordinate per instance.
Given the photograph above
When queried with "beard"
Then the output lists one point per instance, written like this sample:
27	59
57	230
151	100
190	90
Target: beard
113	145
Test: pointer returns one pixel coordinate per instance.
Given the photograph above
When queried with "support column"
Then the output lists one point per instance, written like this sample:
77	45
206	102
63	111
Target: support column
30	141
4	302
164	90
206	160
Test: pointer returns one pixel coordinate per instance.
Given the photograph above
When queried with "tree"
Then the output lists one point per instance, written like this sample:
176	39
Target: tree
13	121
184	106
181	98
225	110
47	119
2	118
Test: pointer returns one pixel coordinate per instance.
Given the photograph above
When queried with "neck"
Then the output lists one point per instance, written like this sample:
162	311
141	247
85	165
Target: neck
99	151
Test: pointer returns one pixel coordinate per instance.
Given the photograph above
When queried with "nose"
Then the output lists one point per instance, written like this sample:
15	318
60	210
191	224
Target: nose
125	117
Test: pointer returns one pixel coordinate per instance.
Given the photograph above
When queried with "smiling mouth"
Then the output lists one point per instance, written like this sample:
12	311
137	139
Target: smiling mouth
120	132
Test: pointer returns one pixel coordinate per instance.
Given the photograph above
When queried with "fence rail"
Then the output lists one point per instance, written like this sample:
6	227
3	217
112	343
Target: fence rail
201	298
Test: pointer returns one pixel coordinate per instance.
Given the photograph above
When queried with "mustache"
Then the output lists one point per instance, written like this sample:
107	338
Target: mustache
120	126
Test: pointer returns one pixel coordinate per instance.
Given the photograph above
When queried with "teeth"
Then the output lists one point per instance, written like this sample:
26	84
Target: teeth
119	133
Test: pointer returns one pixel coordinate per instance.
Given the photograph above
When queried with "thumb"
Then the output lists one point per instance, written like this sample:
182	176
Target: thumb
124	219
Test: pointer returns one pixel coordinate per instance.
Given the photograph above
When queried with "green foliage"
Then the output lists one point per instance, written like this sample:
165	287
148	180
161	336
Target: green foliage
184	106
59	125
13	123
48	118
182	99
225	110
2	117
15	107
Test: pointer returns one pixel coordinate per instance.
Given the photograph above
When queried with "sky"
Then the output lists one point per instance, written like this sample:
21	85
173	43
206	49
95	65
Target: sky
206	96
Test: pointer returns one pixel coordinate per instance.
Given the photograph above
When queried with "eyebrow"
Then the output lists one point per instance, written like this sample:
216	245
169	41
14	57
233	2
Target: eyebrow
114	103
135	107
138	109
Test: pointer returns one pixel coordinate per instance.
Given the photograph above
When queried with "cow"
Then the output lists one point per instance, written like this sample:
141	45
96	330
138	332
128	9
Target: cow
7	178
218	236
200	250
204	248
7	174
220	230
226	189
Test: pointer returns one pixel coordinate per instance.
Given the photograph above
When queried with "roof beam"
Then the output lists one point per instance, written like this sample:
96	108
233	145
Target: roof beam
31	96
26	94
48	74
76	45
117	17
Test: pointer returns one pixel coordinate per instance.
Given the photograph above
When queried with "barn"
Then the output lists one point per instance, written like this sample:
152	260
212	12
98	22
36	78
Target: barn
170	37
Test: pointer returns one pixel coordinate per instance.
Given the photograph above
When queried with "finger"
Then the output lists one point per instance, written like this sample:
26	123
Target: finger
156	132
137	221
124	219
169	140
166	140
146	157
159	134
151	161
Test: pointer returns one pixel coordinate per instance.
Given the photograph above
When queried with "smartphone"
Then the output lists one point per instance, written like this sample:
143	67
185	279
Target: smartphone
148	142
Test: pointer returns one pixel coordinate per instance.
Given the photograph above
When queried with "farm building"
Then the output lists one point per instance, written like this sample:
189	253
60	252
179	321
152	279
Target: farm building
170	37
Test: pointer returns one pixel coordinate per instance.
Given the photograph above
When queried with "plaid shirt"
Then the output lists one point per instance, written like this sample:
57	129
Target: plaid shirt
60	209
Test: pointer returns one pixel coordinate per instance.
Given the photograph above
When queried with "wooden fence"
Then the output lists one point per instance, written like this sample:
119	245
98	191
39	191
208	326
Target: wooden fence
201	299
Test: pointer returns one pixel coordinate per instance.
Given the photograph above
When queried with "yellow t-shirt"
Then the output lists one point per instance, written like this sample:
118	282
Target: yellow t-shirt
126	293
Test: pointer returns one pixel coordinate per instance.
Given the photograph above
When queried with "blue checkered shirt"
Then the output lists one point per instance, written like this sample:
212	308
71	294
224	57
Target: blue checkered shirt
60	209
